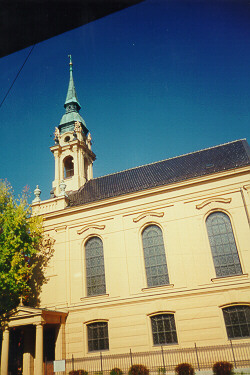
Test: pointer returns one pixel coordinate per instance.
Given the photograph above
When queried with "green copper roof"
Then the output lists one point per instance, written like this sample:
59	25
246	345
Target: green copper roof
72	107
71	94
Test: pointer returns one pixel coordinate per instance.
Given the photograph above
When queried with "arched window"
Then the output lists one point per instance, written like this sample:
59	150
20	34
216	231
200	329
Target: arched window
237	321
154	256
223	246
163	329
95	272
98	338
68	167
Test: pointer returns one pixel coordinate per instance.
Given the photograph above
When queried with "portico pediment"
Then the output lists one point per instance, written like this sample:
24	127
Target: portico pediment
24	311
24	315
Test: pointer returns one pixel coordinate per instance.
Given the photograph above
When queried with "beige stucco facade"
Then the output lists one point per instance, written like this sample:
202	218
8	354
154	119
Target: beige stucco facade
194	295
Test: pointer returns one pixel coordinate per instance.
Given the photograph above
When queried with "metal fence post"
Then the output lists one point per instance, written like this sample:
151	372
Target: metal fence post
162	353
131	359
101	360
233	353
73	362
196	352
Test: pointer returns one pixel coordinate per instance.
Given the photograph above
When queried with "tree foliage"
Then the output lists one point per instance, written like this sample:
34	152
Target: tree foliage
24	251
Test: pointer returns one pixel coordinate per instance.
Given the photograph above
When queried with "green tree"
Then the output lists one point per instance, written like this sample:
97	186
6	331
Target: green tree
24	252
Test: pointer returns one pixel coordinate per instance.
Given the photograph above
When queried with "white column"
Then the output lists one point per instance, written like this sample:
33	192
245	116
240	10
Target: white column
39	350
5	351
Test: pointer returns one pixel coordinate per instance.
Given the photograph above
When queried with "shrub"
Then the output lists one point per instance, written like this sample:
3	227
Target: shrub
138	370
116	371
78	372
222	368
184	369
162	370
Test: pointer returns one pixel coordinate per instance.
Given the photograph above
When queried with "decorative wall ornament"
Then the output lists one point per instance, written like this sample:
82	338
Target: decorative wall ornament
37	193
211	200
62	188
148	213
56	135
91	226
246	187
78	127
89	139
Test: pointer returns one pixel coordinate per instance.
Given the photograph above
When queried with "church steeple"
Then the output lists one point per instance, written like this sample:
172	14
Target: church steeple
71	97
72	106
72	150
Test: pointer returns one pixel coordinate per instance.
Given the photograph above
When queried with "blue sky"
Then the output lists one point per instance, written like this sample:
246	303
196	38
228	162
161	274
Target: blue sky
156	80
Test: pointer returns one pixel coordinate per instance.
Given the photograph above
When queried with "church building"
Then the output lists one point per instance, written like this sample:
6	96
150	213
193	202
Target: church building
153	256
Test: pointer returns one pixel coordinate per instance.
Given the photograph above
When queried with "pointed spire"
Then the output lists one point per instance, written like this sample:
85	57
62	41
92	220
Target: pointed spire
72	107
71	97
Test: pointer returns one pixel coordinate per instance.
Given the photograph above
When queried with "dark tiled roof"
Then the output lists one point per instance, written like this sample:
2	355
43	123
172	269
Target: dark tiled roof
200	163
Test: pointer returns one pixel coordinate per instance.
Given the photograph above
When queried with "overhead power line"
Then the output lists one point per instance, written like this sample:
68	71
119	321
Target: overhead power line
7	93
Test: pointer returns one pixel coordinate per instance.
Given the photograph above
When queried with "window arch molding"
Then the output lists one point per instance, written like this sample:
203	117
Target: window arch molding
104	320
161	312
218	209
234	304
231	221
143	261
88	237
148	224
88	290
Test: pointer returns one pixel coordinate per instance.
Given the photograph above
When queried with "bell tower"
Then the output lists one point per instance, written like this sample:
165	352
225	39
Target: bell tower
72	149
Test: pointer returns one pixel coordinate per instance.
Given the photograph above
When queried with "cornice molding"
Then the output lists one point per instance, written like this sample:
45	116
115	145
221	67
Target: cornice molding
212	200
147	213
147	192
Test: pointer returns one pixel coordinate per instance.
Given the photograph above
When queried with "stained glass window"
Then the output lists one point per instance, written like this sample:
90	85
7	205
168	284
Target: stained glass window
237	321
98	338
154	256
163	329
95	272
223	246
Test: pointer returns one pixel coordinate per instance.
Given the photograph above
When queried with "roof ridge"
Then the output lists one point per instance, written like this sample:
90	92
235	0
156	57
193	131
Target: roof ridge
173	157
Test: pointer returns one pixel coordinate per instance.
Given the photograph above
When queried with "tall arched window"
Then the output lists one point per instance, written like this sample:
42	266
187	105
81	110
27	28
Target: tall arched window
237	321
95	272
68	167
154	256
223	246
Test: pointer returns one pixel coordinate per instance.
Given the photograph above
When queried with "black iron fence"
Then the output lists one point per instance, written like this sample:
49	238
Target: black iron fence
161	361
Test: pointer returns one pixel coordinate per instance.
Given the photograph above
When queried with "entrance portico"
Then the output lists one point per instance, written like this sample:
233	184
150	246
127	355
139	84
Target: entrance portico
29	318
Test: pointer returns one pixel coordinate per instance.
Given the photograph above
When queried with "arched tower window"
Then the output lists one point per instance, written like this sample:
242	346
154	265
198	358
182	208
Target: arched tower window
68	167
223	246
154	256
95	272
